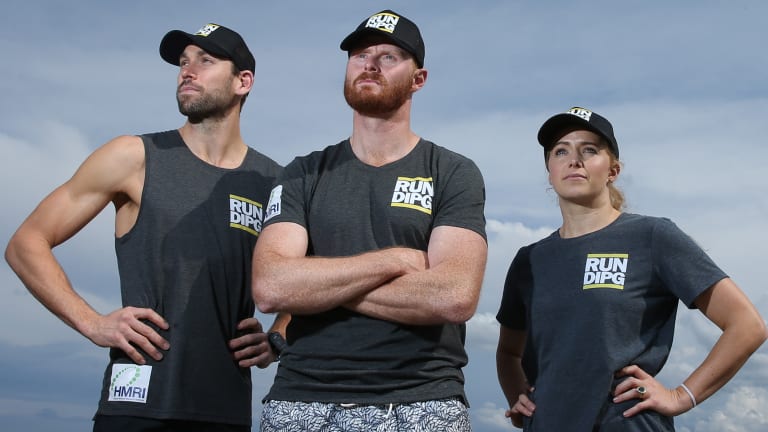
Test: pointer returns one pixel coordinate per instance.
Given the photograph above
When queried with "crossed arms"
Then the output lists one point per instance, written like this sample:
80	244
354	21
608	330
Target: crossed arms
409	286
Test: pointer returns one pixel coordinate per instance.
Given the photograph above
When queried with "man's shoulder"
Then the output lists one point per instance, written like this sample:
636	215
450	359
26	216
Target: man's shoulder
445	153
124	147
332	149
163	139
263	163
138	142
322	156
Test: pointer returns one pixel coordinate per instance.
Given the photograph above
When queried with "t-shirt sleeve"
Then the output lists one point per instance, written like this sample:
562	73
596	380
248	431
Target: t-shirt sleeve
287	201
512	312
681	264
462	202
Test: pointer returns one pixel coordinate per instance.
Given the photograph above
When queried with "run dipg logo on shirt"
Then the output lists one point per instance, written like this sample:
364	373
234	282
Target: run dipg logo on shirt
605	270
414	193
245	214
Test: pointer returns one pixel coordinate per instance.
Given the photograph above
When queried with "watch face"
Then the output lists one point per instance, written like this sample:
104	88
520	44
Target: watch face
277	342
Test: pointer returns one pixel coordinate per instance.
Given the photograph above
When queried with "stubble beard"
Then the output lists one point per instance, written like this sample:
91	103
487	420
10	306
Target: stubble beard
367	102
212	104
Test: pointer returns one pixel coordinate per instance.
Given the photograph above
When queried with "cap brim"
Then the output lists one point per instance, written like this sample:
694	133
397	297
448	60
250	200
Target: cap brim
176	41
354	38
551	128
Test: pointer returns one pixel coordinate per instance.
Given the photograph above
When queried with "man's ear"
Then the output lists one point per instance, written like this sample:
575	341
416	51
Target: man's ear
419	79
245	79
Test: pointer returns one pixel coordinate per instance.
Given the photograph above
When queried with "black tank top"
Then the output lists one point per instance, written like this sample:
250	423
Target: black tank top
188	257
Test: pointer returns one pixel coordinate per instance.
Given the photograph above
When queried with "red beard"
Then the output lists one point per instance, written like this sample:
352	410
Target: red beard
368	102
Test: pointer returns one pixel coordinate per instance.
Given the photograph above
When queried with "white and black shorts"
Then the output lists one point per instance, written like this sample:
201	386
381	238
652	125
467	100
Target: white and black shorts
445	415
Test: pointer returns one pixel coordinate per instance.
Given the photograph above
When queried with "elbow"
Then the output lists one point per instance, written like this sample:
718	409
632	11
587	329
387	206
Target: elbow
11	253
264	307
465	315
263	297
466	304
264	287
763	333
461	311
8	255
757	331
760	336
268	291
464	298
760	331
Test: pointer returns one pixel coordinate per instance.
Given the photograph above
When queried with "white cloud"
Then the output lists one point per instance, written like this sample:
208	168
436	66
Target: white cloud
746	409
504	239
37	163
491	417
483	332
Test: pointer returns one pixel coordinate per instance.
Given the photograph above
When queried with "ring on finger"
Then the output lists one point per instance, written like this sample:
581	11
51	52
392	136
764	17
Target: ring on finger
641	391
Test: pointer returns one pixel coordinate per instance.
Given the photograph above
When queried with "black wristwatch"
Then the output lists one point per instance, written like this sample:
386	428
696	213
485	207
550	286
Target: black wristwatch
277	342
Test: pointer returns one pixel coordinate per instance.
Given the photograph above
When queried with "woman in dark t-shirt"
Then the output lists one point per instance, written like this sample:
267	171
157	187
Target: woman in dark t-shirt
588	313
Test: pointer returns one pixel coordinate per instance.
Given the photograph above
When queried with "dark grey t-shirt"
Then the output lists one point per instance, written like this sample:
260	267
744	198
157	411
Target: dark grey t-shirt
349	208
594	304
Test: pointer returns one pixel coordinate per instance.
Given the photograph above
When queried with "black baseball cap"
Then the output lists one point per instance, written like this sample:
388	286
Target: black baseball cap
398	29
213	38
580	118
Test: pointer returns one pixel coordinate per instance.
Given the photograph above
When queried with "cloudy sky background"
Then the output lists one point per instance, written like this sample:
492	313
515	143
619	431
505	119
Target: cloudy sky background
684	84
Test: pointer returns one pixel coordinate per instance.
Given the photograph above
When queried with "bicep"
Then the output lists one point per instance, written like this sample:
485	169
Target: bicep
460	251
282	239
511	342
59	216
724	302
107	172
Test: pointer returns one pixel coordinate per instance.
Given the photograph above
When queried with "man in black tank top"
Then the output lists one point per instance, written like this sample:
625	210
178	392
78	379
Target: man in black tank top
189	207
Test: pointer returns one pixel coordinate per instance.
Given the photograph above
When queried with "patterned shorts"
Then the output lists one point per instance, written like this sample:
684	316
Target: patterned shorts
446	415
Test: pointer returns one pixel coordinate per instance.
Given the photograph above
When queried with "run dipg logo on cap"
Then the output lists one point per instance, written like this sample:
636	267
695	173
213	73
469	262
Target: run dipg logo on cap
578	117
398	29
581	112
215	39
383	21
207	29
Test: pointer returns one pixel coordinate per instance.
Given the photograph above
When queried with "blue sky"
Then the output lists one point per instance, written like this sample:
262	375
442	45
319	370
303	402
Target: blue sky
684	84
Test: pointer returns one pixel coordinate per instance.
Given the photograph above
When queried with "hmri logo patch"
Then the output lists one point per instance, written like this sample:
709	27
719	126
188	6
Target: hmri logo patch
275	204
129	383
383	21
245	214
605	271
414	193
